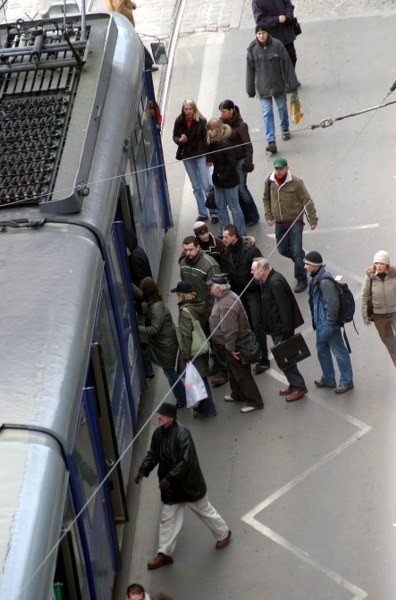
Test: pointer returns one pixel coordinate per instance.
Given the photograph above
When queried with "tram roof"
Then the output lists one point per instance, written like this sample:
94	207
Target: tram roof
49	281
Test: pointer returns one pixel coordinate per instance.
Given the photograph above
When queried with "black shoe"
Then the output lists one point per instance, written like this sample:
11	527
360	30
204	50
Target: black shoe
152	68
301	286
286	135
215	220
272	148
202	218
260	368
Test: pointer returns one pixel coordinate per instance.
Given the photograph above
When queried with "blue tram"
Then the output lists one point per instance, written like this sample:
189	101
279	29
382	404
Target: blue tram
81	159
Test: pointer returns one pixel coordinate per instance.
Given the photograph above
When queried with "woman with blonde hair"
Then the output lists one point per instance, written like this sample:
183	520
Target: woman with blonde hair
379	300
189	133
225	175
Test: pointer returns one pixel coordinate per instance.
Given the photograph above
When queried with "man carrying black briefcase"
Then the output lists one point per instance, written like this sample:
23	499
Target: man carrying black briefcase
281	316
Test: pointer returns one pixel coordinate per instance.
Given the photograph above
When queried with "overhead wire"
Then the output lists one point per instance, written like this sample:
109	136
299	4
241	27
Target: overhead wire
238	297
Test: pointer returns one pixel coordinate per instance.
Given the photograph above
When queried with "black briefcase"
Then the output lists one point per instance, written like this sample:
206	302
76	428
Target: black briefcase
290	351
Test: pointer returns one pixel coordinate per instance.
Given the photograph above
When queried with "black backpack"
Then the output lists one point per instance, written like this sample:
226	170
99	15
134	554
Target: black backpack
347	306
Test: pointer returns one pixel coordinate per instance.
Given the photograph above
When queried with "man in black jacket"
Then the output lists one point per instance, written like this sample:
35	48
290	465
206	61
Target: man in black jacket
181	483
240	253
281	316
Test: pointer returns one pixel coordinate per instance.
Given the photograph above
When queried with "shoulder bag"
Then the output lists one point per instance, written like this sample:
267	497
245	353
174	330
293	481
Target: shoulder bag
248	348
199	341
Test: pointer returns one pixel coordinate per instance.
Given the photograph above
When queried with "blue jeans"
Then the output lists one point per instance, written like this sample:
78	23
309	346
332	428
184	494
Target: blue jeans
289	243
197	171
229	197
268	116
246	201
329	340
207	406
178	389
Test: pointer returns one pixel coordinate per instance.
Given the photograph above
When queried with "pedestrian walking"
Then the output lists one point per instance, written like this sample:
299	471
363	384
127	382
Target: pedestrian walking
181	483
286	200
379	300
281	317
324	302
228	321
158	336
189	133
225	174
278	17
190	308
269	76
240	254
240	139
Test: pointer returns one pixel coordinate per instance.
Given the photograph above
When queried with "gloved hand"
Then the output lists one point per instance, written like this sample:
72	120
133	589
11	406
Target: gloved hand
247	168
139	476
164	484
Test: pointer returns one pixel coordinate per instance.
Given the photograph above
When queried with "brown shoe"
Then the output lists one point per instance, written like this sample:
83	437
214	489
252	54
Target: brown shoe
286	391
223	543
219	379
296	395
161	560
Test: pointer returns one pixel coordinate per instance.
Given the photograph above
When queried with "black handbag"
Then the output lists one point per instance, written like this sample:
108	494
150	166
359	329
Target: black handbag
248	348
370	309
296	27
210	199
290	351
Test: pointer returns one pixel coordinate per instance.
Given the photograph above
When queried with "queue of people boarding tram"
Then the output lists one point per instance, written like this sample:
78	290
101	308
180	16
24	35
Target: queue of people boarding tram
233	290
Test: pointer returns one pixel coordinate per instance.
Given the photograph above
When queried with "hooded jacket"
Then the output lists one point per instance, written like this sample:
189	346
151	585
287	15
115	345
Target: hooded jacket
198	271
173	450
383	292
139	265
269	70
222	155
289	201
324	300
240	138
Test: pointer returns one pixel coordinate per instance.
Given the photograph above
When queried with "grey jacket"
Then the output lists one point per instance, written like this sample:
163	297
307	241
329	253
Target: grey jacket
269	70
229	317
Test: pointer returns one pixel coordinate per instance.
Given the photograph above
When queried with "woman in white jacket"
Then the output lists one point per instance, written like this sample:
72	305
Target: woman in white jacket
379	300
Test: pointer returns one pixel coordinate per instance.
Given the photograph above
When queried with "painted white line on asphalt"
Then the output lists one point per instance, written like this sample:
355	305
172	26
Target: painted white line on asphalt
333	229
250	517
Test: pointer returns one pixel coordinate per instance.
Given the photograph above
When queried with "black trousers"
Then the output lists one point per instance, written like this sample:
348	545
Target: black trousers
243	386
292	374
252	304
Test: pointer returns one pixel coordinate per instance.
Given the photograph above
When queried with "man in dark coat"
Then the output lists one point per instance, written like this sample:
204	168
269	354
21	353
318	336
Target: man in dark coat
281	316
181	483
240	253
139	265
278	17
270	75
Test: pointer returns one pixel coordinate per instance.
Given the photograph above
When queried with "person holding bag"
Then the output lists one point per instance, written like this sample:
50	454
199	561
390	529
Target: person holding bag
379	300
158	336
191	309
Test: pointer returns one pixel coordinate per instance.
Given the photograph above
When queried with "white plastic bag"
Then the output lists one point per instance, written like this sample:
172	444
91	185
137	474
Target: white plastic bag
195	387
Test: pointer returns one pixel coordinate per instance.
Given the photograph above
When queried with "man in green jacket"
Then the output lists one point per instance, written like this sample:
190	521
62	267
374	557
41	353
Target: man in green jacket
286	200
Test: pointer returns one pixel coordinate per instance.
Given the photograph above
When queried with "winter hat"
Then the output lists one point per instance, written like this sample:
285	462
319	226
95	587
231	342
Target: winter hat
200	227
314	259
261	27
168	410
382	257
184	287
219	278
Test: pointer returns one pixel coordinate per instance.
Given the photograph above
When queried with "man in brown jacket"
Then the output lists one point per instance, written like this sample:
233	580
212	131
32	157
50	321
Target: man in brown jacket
286	199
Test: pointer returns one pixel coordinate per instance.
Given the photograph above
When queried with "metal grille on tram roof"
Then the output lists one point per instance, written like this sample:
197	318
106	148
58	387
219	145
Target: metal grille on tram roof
39	73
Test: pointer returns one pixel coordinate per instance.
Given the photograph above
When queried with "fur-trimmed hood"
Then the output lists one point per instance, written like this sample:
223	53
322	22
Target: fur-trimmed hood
370	271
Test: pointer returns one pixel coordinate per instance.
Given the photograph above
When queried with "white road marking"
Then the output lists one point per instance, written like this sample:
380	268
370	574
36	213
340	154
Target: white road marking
251	517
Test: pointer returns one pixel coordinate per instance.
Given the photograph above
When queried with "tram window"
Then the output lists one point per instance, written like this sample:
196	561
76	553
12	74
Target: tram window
118	277
106	340
140	161
147	133
86	463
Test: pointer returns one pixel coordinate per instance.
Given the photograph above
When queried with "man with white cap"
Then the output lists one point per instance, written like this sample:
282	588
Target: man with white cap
379	300
181	483
324	302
